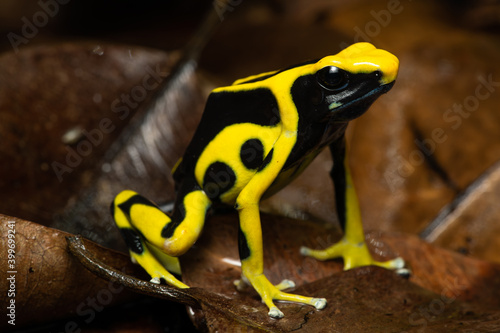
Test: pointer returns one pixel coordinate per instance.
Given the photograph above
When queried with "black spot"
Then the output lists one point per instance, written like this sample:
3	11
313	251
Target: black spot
218	179
267	160
252	154
136	199
178	216
243	248
133	240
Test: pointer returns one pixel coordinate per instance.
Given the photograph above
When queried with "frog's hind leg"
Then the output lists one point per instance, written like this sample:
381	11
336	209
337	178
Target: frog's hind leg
127	207
154	239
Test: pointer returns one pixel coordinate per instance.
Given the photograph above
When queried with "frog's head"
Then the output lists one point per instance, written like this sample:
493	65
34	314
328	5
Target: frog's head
342	87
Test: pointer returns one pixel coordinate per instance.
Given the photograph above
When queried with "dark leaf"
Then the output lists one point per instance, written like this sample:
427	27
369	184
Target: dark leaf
49	283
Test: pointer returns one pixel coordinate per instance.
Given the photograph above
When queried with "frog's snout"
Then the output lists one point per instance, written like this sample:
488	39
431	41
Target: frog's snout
366	58
388	65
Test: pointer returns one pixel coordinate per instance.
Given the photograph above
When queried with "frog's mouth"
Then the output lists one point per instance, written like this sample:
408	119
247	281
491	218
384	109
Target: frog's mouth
354	108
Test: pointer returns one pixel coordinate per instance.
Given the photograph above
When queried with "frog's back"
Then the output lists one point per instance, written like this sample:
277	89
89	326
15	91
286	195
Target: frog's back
236	132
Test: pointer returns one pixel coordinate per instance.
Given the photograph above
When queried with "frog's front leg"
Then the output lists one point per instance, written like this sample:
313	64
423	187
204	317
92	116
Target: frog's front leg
154	239
352	247
250	232
252	265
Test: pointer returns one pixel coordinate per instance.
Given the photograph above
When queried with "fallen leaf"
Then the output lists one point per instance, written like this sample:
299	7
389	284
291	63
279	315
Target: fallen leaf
469	224
61	107
48	283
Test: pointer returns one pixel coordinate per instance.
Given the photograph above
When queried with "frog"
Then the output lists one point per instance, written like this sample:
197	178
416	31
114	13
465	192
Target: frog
256	136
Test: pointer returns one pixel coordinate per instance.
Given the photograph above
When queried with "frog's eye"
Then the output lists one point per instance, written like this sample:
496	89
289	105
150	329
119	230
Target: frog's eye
332	78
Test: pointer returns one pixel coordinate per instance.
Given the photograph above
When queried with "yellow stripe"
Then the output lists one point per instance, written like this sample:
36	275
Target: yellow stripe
253	77
176	165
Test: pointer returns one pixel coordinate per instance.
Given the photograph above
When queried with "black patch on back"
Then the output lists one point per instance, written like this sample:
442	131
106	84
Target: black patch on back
226	108
243	248
133	240
258	106
252	154
136	199
219	178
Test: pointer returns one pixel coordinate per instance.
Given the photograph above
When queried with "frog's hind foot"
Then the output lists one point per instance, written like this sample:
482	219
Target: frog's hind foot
155	269
140	222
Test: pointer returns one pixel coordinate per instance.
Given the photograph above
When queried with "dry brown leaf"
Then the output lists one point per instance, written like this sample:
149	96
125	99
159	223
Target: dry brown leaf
61	107
469	224
49	283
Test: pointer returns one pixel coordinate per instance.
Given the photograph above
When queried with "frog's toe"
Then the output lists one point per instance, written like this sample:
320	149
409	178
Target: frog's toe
319	303
275	313
305	251
395	264
155	280
285	284
398	265
242	284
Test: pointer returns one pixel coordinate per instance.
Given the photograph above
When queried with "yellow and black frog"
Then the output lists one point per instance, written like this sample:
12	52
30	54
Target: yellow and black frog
254	138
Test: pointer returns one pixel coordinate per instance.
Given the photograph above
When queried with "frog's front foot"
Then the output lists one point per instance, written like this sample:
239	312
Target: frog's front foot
354	255
269	292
